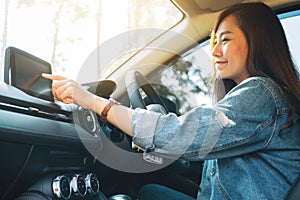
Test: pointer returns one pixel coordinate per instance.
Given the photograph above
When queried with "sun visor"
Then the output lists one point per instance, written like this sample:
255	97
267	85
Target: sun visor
215	5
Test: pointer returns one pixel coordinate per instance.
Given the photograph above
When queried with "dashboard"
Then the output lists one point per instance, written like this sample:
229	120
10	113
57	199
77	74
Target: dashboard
41	138
42	141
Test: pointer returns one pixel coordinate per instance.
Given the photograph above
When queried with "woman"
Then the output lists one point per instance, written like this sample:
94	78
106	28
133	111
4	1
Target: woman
249	140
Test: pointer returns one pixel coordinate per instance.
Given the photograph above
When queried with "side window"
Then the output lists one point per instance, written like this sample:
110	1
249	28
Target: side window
188	80
291	22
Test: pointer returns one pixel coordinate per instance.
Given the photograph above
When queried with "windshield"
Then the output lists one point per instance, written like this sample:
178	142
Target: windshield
65	33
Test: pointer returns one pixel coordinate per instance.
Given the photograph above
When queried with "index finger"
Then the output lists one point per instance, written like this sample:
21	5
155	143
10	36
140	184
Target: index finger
53	77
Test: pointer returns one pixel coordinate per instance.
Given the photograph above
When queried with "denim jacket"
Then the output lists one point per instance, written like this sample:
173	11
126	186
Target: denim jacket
247	152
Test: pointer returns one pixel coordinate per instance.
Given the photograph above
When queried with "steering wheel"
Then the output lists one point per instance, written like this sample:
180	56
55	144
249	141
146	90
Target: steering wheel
136	81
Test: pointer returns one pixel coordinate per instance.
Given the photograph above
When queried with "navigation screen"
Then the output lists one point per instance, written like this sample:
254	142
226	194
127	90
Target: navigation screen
24	71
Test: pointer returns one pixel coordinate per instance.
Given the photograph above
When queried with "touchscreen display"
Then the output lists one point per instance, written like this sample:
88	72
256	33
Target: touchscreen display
24	71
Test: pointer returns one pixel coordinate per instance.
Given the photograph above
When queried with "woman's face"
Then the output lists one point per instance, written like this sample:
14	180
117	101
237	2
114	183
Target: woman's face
230	51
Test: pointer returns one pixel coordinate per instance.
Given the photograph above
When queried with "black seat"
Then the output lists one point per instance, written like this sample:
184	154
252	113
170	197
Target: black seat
294	191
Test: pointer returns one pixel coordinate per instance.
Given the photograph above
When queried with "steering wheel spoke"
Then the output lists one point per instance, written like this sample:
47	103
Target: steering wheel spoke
136	81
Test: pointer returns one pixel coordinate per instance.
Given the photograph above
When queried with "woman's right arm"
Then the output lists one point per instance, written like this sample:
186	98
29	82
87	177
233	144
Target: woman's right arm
68	91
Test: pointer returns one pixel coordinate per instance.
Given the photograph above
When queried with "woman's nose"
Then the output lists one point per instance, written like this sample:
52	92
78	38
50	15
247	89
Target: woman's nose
216	50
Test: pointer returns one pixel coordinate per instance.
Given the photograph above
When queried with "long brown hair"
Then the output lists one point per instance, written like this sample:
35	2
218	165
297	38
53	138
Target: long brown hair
268	51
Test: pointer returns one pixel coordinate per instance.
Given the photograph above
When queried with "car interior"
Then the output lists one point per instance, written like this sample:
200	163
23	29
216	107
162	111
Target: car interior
52	150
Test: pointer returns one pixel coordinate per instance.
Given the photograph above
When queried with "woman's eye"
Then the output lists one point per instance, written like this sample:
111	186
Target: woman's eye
225	39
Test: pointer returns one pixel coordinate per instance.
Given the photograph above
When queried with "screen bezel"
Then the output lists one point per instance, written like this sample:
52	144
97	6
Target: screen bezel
10	71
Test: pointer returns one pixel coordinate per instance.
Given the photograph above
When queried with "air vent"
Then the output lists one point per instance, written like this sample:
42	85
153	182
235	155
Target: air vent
35	109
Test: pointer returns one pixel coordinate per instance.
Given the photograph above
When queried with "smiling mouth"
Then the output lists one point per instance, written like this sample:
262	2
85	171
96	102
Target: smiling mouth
218	64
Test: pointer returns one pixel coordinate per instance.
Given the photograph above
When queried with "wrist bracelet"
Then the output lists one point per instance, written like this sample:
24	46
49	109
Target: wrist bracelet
107	107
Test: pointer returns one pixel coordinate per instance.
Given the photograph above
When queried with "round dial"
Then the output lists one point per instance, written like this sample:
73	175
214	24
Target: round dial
81	186
92	183
61	187
78	185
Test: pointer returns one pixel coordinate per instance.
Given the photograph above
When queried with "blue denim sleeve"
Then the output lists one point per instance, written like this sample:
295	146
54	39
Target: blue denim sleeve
242	122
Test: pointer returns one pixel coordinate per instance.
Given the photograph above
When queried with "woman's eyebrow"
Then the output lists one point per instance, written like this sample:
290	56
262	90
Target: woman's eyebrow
224	33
